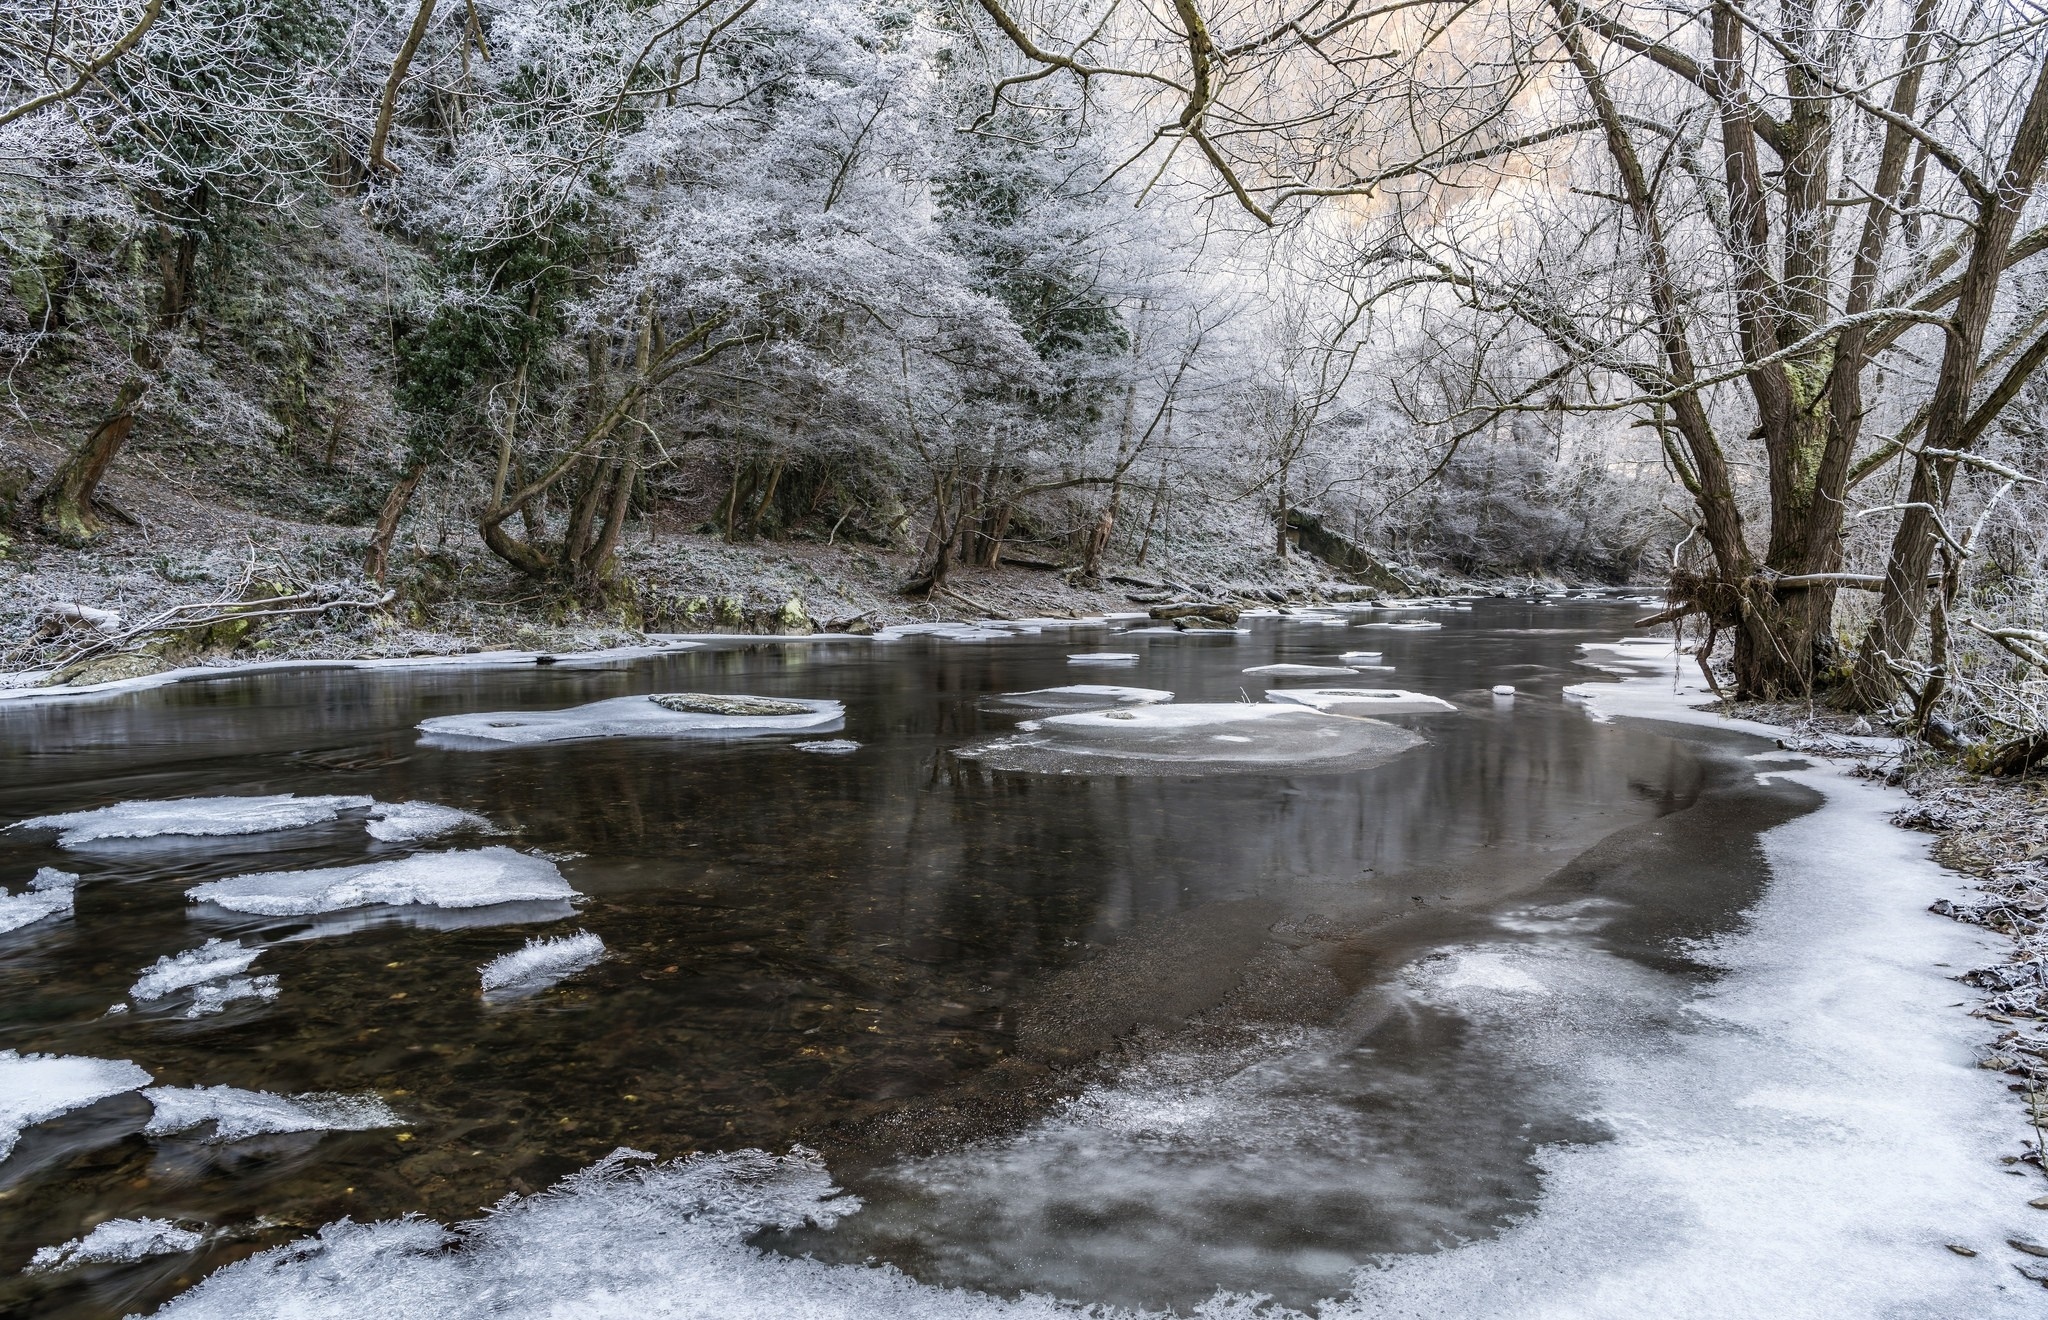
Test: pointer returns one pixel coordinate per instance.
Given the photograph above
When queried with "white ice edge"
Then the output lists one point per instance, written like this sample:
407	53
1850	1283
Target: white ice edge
237	1114
51	893
475	878
466	660
538	964
37	1087
1377	701
117	1242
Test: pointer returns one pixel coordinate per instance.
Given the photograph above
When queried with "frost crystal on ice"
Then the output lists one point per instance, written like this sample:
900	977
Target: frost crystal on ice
477	878
38	1087
117	1242
199	817
540	964
236	1113
48	895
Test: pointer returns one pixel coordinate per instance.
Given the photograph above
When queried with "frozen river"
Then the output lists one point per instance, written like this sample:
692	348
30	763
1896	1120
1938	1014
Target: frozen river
1509	1007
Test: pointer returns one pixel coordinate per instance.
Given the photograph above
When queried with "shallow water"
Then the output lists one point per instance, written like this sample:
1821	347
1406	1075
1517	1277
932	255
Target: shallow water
1130	1039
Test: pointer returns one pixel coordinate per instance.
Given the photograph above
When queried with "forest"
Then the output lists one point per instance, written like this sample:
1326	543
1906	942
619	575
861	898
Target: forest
1743	303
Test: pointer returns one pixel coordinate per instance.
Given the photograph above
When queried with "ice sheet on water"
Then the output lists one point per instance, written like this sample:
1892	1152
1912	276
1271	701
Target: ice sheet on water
38	1087
1077	696
236	1113
474	878
539	964
1197	738
1103	658
624	717
1361	701
828	746
215	960
619	1241
199	817
403	822
1362	657
1301	671
117	1242
215	996
1404	625
51	893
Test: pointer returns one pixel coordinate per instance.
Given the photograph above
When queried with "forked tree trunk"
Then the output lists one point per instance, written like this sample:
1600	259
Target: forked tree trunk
64	510
378	562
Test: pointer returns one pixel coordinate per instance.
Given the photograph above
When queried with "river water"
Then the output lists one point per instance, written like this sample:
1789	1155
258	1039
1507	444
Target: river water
1110	1038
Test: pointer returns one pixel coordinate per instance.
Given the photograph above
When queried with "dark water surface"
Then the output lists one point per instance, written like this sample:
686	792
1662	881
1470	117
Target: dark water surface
907	961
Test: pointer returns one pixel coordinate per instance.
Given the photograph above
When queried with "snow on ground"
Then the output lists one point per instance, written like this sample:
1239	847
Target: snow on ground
539	964
236	1113
1361	701
467	879
50	894
38	1087
202	817
623	717
117	1242
404	822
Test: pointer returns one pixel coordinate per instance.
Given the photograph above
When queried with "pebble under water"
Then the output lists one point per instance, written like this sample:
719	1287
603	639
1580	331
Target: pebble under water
1130	1038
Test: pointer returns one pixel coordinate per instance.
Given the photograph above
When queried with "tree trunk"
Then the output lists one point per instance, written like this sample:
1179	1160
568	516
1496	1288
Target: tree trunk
64	509
378	561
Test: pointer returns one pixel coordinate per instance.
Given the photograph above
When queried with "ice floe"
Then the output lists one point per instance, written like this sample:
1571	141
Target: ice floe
1404	625
37	1087
1300	671
1077	696
1104	658
1362	657
539	964
474	878
828	746
1362	701
51	893
117	1242
403	822
1197	738
212	961
198	817
236	1113
1503	689
662	714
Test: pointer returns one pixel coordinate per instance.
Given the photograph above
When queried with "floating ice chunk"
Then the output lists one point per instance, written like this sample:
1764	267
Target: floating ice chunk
38	1087
540	964
467	879
1405	625
663	714
1103	658
1197	738
1503	689
1491	971
215	996
202	817
403	822
1078	696
117	1242
828	746
50	894
1356	701
1301	671
1362	657
212	961
236	1113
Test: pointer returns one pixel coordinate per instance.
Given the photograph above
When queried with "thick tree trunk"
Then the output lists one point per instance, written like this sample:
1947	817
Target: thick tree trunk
64	510
378	562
